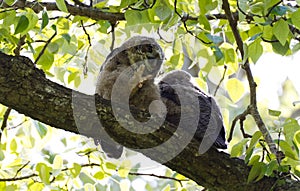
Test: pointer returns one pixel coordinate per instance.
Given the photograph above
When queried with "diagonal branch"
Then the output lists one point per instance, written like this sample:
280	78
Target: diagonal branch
253	103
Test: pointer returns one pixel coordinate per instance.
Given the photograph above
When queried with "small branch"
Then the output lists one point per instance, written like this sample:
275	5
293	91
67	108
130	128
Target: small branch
19	170
241	117
113	35
269	41
221	80
5	118
44	48
158	176
85	68
183	19
271	9
252	108
21	42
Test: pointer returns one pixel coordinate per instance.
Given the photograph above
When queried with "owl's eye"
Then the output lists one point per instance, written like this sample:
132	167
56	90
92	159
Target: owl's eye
118	63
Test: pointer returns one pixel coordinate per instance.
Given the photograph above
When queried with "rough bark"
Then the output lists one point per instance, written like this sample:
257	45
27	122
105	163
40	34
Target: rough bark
26	89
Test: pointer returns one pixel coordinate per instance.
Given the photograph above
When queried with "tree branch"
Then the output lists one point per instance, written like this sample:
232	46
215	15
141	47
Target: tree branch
253	104
25	88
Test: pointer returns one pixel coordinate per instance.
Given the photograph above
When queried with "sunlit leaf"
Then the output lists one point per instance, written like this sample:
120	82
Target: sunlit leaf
61	5
99	175
167	188
235	89
237	149
287	149
13	145
290	127
255	50
255	137
296	18
274	113
2	156
41	129
75	170
44	172
281	31
10	2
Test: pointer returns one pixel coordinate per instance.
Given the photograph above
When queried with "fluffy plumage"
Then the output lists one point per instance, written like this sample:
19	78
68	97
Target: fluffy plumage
210	123
141	57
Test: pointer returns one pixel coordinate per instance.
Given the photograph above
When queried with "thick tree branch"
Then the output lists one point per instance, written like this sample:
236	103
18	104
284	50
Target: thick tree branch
26	89
94	13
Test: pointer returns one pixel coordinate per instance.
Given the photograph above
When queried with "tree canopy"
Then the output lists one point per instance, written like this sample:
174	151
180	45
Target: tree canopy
50	56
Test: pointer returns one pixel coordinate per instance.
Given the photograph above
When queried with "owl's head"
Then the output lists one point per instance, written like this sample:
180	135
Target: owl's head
177	77
136	51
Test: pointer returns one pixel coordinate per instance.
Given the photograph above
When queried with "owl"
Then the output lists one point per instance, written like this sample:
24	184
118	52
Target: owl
139	59
210	123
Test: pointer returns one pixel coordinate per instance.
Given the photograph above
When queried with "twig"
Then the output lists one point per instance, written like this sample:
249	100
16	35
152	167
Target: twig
183	19
271	9
240	117
19	170
85	68
158	176
113	35
252	108
5	118
21	42
221	80
44	48
21	123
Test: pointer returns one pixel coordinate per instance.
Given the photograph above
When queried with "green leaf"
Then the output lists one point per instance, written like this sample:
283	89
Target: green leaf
296	18
99	175
110	165
217	53
45	19
281	31
61	5
272	166
235	89
2	156
22	24
10	2
207	5
204	22
255	50
44	172
67	37
75	170
274	113
13	145
256	136
280	49
287	149
237	149
290	127
41	129
163	12
86	178
257	171
57	165
167	188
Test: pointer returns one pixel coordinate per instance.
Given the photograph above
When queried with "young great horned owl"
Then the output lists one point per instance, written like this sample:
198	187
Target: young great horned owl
210	123
140	58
